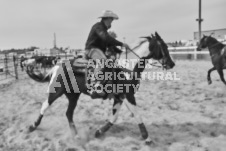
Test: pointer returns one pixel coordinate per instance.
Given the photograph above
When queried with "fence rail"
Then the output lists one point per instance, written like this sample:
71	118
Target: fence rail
187	50
10	66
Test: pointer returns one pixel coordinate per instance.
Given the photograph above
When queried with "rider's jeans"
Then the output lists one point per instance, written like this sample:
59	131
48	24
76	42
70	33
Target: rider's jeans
97	55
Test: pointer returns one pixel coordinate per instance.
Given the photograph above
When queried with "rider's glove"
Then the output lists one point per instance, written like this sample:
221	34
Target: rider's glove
126	46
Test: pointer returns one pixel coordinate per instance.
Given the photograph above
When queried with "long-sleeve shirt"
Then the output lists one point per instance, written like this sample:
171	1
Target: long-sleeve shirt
99	38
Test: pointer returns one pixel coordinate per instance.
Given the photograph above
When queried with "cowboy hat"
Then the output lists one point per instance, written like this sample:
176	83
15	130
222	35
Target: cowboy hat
108	14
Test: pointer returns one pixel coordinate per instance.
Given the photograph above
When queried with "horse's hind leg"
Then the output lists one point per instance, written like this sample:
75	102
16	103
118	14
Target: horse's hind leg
73	98
45	105
221	73
208	75
116	107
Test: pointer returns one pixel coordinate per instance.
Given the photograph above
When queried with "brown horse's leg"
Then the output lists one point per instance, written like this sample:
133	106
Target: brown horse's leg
208	75
221	73
52	97
116	107
131	105
73	98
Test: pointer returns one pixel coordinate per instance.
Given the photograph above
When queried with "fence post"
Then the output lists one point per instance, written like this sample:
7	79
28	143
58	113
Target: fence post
195	54
15	63
6	65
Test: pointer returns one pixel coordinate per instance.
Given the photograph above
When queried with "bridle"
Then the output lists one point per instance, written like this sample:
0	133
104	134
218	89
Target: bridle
163	55
163	64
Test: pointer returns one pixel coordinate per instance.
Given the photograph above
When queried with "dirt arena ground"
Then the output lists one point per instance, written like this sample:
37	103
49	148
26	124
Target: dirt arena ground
183	115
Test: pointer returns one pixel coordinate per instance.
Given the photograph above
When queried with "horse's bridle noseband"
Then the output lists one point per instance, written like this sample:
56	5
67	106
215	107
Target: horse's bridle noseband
163	55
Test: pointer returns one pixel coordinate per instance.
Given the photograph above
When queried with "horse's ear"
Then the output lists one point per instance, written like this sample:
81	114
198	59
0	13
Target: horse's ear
211	34
157	35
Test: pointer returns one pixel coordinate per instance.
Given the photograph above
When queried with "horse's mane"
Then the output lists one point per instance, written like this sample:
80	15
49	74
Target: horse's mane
140	48
151	47
152	43
157	45
213	39
140	44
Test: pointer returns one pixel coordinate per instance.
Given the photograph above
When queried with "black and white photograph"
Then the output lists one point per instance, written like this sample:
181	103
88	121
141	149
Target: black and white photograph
104	75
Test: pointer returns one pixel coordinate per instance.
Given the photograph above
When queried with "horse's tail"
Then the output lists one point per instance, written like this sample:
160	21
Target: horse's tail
40	77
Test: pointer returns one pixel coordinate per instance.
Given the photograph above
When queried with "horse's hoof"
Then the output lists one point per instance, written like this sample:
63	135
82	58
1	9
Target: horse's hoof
98	134
31	128
149	141
209	82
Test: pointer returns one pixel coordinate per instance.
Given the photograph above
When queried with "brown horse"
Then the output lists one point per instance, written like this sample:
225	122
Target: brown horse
217	53
62	74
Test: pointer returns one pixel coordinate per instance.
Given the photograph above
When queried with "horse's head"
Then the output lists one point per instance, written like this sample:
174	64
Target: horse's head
158	50
203	42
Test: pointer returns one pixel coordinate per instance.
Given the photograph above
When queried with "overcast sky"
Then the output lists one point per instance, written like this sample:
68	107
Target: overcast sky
25	23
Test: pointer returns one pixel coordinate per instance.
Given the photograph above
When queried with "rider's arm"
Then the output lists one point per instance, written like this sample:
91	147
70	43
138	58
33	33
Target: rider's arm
103	34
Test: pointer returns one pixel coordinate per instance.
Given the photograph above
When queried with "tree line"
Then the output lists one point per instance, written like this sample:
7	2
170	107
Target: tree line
19	51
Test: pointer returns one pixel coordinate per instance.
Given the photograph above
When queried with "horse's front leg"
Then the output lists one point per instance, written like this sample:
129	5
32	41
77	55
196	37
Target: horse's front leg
208	75
116	107
221	73
73	98
131	105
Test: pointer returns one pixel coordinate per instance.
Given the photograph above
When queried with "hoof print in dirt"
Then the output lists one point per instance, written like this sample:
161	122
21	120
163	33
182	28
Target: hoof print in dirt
71	149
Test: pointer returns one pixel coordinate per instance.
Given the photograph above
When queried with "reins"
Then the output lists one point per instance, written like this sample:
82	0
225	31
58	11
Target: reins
152	64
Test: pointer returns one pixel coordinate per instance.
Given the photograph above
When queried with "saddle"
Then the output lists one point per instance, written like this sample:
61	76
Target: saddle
79	65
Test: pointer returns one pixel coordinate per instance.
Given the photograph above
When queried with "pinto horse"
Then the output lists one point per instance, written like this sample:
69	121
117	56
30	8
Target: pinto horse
61	73
38	61
218	56
26	62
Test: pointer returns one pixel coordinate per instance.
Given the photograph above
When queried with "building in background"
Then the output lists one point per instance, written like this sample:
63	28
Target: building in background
219	34
42	52
72	51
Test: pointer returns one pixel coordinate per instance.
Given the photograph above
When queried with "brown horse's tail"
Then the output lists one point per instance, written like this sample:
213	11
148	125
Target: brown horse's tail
40	77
